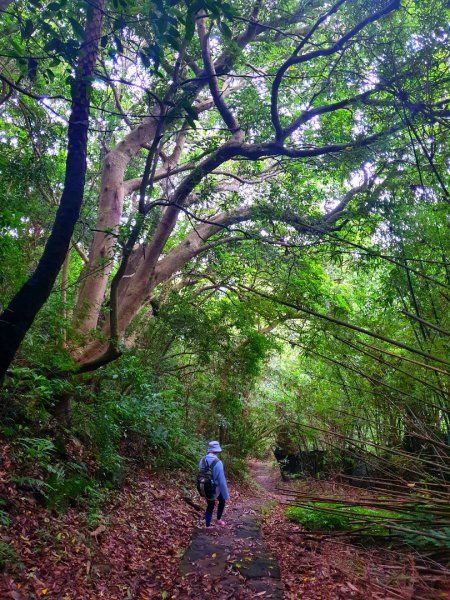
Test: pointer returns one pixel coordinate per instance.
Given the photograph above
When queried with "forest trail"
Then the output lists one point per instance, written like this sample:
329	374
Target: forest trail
233	562
149	546
266	474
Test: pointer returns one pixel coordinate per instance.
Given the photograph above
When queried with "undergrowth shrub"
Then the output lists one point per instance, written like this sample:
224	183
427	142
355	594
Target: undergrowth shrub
71	484
415	529
54	479
142	425
4	517
30	396
9	559
429	538
330	516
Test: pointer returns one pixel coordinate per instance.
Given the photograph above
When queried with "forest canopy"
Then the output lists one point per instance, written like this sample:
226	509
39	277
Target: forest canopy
226	217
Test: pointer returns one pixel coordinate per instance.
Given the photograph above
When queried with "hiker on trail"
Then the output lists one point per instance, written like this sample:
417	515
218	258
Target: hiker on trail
219	489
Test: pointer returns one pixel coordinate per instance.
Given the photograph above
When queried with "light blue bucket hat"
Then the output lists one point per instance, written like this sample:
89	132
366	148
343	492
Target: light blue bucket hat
214	447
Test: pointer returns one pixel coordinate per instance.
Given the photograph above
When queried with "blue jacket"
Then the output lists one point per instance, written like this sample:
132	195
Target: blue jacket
218	475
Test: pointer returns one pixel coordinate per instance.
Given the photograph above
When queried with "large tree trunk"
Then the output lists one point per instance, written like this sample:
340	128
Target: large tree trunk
147	267
21	311
114	188
150	272
112	192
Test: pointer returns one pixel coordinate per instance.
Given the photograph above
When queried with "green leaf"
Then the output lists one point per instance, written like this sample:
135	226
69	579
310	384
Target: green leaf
154	53
77	28
191	122
191	112
226	30
173	41
27	31
213	8
228	10
49	75
161	25
189	27
119	45
145	59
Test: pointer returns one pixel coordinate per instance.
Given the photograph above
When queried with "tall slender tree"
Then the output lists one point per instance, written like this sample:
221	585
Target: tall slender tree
18	317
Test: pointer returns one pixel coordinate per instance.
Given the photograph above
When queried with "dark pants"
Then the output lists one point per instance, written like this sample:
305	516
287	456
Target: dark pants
210	509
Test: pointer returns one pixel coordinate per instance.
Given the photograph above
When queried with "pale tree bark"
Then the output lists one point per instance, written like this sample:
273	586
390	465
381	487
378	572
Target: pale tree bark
145	270
148	269
95	276
149	272
113	188
136	290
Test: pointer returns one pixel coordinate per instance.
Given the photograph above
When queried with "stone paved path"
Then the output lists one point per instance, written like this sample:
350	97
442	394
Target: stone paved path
233	562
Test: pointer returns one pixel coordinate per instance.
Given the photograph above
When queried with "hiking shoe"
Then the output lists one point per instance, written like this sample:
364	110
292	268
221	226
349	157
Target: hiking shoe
221	523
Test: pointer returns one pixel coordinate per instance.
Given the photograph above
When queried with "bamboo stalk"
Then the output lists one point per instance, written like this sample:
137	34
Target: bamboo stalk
378	446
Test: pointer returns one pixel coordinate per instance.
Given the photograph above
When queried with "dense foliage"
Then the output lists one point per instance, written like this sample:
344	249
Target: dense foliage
262	253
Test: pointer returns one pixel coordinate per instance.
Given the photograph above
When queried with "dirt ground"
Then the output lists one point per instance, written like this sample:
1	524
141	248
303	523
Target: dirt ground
149	543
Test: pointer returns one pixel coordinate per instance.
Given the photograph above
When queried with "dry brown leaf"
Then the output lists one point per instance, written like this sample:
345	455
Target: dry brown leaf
100	529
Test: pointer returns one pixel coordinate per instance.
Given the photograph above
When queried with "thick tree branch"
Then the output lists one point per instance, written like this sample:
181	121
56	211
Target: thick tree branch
213	83
295	59
81	253
307	115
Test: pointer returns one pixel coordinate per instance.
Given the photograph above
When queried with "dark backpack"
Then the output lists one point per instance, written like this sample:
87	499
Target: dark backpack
205	482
